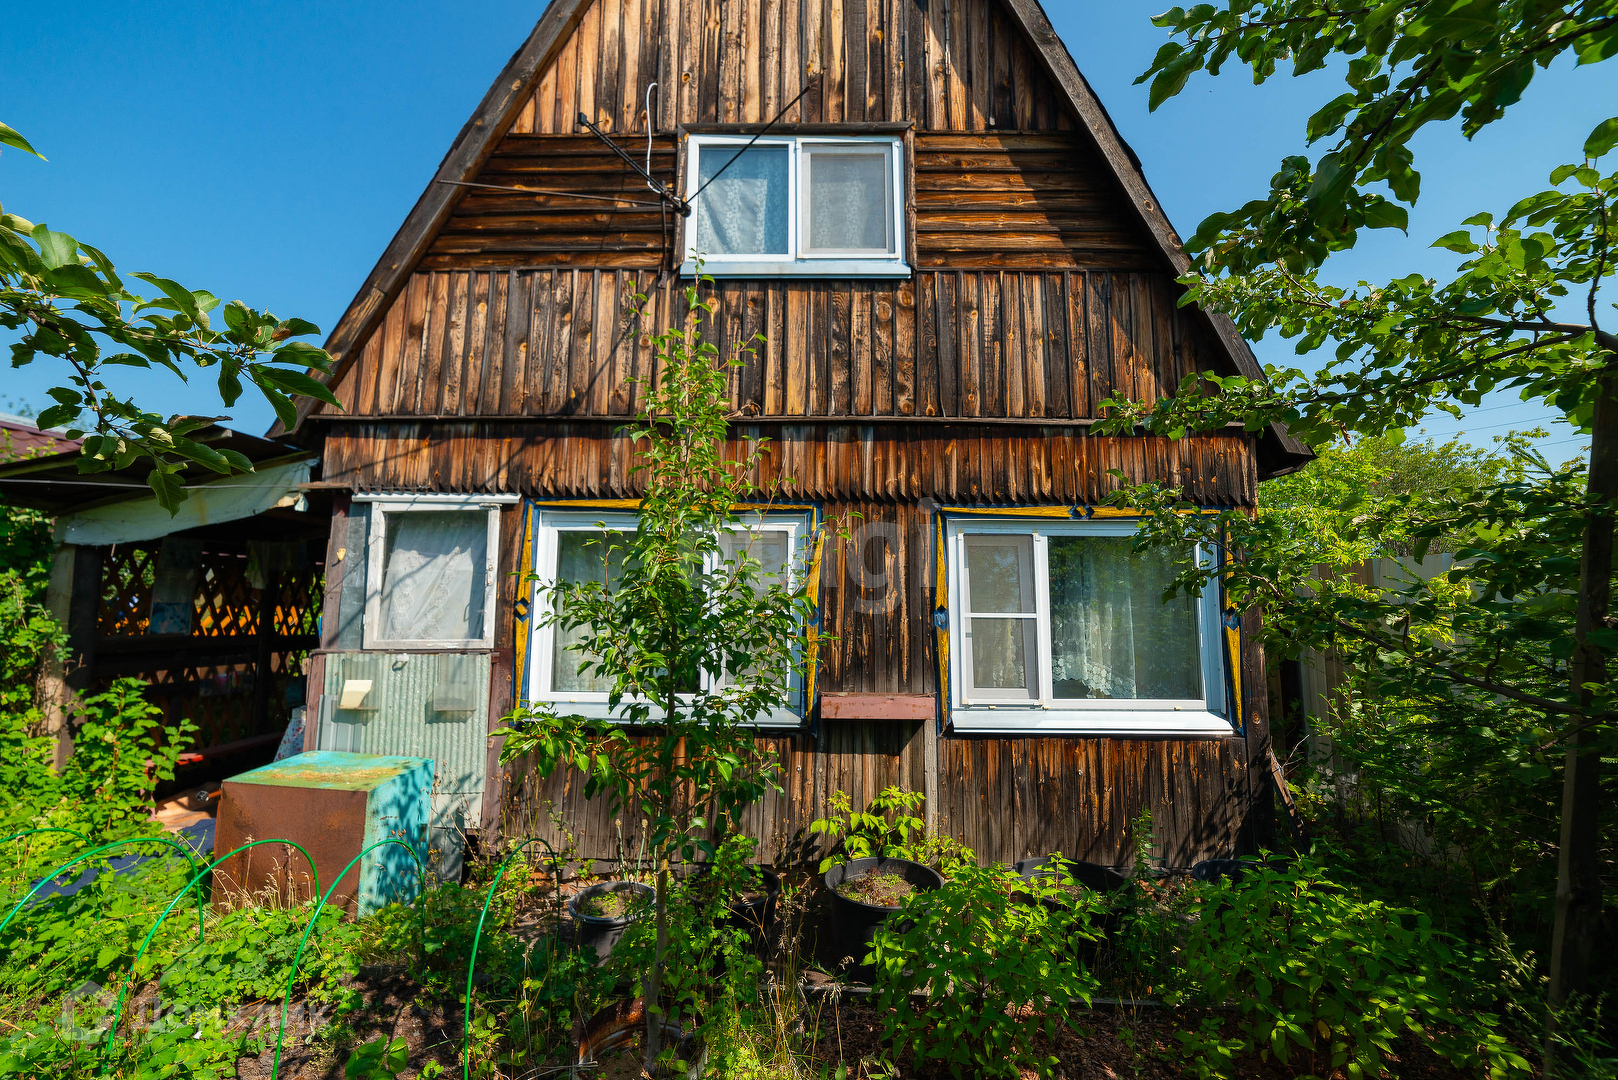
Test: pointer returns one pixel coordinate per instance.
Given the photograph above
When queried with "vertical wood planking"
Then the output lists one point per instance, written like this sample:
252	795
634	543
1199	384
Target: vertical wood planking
589	34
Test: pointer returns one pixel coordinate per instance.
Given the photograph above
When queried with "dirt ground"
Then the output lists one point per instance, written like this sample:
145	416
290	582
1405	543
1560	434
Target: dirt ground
1098	1044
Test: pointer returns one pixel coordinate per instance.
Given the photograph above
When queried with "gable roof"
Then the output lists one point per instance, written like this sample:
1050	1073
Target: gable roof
498	110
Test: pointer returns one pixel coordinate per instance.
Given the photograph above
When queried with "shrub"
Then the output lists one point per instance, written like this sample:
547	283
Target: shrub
887	828
1314	969
999	957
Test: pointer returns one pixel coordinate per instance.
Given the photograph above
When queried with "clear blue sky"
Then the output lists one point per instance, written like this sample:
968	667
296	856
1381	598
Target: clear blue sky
268	152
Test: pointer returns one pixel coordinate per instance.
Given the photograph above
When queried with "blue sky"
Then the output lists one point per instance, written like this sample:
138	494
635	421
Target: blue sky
268	152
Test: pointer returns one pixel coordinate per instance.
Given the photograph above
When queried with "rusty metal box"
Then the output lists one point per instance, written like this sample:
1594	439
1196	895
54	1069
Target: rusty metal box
335	805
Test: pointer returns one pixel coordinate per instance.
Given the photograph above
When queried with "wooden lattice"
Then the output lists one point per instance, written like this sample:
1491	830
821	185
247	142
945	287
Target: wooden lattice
126	590
297	601
226	605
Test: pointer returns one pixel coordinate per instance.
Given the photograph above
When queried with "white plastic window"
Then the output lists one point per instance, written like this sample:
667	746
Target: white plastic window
787	205
575	546
430	573
1063	626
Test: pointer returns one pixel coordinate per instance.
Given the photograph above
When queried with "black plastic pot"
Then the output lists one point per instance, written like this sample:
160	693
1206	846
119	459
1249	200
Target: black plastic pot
1234	869
854	924
1093	876
600	933
754	910
1103	880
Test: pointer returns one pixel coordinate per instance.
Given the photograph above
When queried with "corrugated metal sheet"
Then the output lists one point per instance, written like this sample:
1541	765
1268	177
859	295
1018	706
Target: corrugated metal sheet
431	705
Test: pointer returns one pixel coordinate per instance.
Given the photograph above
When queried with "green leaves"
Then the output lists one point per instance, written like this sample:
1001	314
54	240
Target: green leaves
9	136
380	1059
1601	140
1410	64
67	304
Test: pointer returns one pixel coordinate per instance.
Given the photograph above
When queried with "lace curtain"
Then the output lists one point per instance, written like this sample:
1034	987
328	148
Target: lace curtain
848	202
1112	636
433	586
745	211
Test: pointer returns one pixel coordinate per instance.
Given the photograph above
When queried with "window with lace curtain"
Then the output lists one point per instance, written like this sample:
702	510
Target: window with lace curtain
827	207
1063	626
430	572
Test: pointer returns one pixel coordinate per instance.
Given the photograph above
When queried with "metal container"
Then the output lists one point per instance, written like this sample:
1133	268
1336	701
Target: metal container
335	805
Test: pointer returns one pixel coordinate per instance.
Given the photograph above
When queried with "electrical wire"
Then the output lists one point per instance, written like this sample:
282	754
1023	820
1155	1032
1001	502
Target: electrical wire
762	131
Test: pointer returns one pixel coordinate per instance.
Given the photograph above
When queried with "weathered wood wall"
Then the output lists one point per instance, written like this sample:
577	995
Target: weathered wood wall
949	65
979	463
1010	200
1007	799
965	344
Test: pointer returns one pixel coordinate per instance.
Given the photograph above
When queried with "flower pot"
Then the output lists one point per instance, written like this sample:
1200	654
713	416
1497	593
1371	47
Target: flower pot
1093	877
622	1026
599	933
854	923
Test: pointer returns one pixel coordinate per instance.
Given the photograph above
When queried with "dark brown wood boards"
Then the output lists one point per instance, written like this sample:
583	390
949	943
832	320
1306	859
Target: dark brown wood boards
1025	200
981	343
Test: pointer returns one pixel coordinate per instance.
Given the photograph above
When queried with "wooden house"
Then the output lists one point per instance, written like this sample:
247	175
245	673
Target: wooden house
952	257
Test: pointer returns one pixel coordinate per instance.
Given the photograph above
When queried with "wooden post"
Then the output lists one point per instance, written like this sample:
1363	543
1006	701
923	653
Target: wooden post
55	693
1574	938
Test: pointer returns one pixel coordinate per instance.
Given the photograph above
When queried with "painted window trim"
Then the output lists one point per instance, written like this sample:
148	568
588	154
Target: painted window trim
796	262
381	506
544	524
1211	717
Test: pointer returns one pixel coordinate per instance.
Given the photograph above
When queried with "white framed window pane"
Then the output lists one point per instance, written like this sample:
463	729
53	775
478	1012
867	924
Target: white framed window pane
771	549
1000	574
745	211
433	583
850	203
581	556
1112	634
1000	654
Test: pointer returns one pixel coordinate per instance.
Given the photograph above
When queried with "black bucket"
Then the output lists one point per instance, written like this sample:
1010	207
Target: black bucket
753	911
1093	876
599	933
854	924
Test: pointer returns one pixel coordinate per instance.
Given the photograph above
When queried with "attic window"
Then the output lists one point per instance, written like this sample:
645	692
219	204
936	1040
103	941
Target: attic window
822	207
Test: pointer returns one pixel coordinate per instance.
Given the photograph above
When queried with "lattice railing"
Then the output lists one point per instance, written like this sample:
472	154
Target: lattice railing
226	604
126	590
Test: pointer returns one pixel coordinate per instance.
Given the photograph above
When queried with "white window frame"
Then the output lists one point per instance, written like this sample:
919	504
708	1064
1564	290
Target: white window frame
797	261
548	524
381	507
1013	712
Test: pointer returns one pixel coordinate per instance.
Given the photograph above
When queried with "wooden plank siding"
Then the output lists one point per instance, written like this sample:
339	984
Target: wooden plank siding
1010	200
890	463
743	61
984	343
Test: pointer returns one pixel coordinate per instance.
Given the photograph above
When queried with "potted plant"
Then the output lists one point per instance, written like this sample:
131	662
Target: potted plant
872	870
601	913
864	892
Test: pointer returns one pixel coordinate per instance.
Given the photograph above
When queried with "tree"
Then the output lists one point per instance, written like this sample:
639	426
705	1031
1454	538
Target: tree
695	640
70	306
1523	311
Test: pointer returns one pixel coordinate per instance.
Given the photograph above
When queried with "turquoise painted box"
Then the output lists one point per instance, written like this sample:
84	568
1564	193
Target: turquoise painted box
334	806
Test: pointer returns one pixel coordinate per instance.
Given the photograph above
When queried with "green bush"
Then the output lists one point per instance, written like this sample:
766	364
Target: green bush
1000	959
1317	971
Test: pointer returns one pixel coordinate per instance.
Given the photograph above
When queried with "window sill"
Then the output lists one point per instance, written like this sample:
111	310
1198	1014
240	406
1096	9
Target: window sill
817	268
598	710
1012	721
